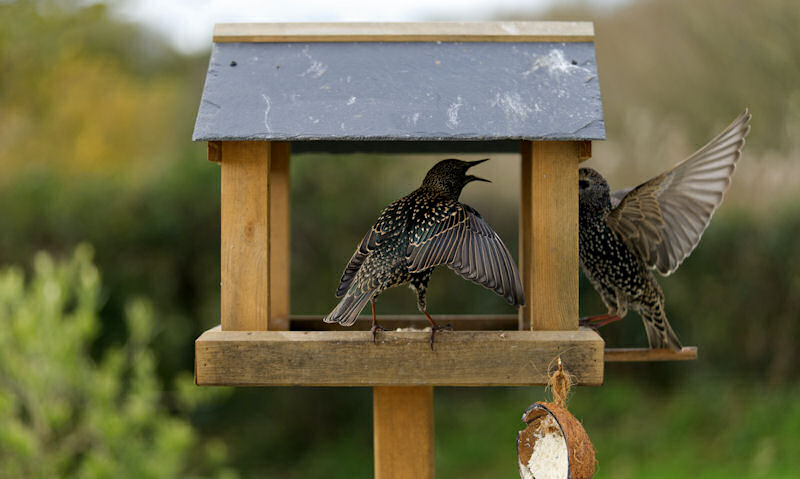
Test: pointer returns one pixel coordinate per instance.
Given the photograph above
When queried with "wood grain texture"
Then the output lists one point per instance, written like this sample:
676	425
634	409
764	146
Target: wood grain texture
245	235
333	358
626	355
406	32
549	229
403	432
279	231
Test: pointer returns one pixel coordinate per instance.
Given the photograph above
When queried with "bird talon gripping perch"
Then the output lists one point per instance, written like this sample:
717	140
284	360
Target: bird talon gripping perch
418	232
375	326
435	328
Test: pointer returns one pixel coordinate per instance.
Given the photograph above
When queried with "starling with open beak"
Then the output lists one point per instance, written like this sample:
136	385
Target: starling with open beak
625	234
418	232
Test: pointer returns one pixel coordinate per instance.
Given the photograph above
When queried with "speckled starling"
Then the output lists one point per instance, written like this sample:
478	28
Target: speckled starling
625	234
418	232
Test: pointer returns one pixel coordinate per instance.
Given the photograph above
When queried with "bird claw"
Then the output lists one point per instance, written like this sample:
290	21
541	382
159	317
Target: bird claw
375	328
448	327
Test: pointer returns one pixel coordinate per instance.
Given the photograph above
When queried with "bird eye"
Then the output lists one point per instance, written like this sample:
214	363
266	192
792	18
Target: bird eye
583	184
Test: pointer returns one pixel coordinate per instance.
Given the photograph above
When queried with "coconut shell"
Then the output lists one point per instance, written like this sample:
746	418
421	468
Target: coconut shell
579	447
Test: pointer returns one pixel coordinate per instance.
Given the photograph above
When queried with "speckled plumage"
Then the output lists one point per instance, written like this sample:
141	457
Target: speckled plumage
420	231
625	234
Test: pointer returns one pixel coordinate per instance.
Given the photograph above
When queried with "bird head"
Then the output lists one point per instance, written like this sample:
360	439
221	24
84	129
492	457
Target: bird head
450	176
593	190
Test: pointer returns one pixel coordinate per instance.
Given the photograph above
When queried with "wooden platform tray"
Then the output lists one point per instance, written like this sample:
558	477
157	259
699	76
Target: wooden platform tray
629	355
399	358
488	322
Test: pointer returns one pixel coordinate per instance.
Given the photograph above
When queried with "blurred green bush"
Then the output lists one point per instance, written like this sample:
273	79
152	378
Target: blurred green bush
67	413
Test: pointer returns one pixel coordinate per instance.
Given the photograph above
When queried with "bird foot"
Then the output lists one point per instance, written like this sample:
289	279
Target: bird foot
598	321
436	327
375	328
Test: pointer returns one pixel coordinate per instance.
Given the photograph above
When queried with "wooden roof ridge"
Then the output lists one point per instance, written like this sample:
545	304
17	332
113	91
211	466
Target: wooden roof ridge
497	31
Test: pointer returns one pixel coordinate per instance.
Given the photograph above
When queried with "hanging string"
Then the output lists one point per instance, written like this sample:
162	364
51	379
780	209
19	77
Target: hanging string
559	384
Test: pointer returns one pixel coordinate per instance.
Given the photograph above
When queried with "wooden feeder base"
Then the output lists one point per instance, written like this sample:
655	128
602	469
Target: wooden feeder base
399	358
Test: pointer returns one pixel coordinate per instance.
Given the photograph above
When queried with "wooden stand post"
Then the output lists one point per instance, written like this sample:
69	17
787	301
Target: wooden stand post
549	233
255	235
403	434
280	249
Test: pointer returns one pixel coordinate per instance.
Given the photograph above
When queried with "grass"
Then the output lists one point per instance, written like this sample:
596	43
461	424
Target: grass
709	428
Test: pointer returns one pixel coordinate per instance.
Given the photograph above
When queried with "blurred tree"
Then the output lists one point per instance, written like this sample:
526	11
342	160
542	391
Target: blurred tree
65	414
83	93
95	127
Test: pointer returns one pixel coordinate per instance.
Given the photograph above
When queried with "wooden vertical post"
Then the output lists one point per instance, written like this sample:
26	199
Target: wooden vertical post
245	235
403	432
255	234
279	231
549	233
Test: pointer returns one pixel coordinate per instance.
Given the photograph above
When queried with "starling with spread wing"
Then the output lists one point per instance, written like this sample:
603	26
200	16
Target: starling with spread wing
418	232
625	234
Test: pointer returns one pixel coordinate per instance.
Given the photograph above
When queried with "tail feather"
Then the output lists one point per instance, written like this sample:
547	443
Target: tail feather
659	332
348	309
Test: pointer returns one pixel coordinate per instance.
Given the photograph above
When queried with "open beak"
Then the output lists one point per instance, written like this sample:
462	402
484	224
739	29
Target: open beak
476	178
477	162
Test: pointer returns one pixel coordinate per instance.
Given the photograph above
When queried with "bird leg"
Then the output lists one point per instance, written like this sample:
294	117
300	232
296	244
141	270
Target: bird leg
375	326
435	327
598	321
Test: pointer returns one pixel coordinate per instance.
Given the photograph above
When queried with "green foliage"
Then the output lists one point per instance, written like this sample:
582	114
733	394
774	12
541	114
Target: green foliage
84	94
707	427
66	413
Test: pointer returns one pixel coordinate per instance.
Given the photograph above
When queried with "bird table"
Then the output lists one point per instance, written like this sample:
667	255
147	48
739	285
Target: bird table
524	87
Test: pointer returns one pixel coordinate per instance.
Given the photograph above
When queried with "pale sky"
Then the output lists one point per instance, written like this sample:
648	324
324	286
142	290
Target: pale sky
188	23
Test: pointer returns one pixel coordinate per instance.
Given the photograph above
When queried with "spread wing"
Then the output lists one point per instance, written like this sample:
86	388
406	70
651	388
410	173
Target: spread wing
462	240
388	225
664	218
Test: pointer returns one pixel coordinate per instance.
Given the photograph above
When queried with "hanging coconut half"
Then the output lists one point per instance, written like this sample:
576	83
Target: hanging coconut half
554	445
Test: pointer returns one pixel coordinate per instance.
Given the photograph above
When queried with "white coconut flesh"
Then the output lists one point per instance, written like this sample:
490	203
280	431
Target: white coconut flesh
550	456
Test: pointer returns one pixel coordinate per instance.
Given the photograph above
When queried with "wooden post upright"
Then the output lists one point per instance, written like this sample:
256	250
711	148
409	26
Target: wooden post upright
403	432
549	233
280	249
254	235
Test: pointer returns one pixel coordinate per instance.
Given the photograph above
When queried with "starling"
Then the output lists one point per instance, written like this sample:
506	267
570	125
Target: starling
625	234
418	232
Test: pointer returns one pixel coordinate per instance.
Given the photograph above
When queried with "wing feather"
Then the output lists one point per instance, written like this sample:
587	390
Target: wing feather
463	241
388	224
664	218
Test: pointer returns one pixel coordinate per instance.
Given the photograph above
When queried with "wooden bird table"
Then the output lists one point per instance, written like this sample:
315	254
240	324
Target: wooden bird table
525	87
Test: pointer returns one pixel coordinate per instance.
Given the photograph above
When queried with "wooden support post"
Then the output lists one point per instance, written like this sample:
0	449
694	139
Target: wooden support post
549	233
403	435
279	245
255	234
245	235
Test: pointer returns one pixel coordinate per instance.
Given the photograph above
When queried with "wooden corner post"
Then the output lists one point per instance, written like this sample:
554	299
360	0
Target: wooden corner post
549	233
279	245
254	235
